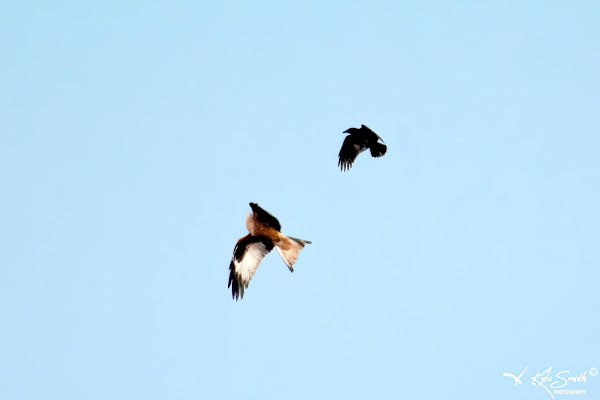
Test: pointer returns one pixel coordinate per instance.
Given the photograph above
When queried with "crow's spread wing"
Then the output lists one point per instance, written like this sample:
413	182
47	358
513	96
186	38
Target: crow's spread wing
369	134
351	148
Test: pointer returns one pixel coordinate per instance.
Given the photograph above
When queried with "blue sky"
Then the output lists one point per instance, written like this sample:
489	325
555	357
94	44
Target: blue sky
133	136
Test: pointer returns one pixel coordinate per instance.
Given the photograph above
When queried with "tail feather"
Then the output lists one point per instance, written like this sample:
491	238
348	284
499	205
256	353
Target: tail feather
289	255
378	149
300	241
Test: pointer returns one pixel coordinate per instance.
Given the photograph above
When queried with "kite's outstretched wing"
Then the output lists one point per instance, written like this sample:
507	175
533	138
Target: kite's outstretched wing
248	253
264	217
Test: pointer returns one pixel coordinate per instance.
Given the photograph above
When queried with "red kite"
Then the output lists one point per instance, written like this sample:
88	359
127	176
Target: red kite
265	233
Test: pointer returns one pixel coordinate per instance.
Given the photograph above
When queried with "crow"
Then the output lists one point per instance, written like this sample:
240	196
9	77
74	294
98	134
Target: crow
358	141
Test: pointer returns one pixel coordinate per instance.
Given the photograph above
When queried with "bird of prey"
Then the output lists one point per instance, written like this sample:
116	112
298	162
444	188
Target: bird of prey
265	233
358	140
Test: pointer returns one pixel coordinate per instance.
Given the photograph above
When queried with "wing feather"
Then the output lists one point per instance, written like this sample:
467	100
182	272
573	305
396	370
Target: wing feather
264	217
369	133
247	254
351	148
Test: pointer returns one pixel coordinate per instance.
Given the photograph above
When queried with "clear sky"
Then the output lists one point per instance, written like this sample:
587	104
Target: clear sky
133	135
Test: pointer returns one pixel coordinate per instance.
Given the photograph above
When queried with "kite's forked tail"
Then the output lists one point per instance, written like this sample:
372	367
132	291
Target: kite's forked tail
289	248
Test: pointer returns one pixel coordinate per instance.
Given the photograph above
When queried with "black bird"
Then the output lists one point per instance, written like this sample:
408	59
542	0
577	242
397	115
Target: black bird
358	141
